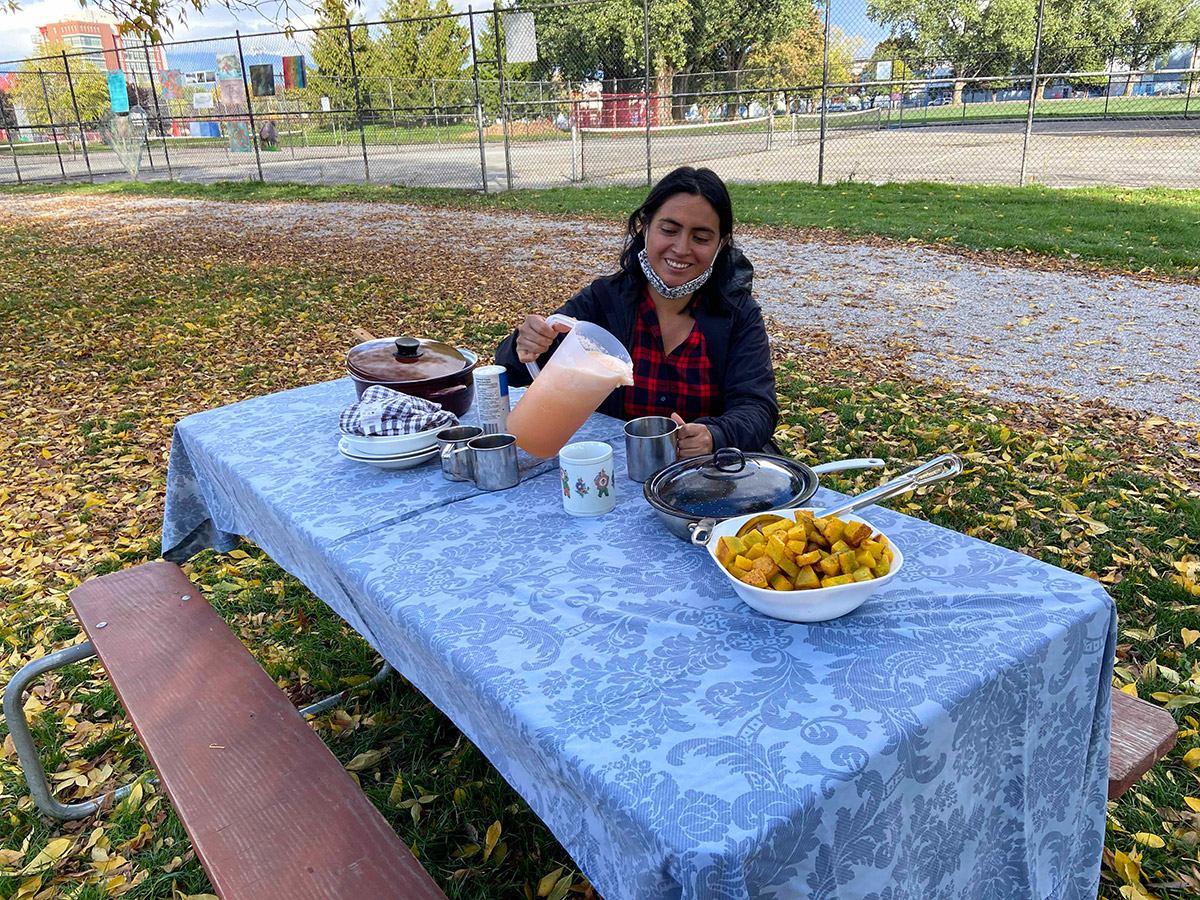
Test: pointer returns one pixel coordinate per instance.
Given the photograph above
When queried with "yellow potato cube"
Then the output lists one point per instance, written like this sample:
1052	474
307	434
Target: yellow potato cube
756	551
798	548
830	566
883	568
754	537
756	578
835	580
769	530
839	547
866	558
855	533
767	566
808	559
863	574
743	563
833	530
847	562
789	568
780	583
807	579
727	550
780	541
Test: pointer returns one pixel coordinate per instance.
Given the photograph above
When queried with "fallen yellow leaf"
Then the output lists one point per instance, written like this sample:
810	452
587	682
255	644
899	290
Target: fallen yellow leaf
1191	759
546	885
493	835
1189	636
364	760
396	794
1193	803
1130	689
1150	840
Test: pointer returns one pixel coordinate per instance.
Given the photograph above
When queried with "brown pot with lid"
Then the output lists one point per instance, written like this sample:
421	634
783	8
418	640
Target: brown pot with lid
419	367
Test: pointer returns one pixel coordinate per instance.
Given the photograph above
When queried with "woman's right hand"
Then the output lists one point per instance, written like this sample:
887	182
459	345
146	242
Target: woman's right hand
534	337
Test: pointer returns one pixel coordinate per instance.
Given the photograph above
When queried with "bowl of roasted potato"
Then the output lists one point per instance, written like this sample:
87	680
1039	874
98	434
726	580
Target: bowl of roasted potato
793	565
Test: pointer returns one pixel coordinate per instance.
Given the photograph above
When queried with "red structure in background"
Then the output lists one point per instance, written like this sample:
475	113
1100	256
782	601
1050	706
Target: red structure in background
615	111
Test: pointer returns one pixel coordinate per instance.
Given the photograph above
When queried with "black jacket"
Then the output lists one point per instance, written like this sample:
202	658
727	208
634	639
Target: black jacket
736	340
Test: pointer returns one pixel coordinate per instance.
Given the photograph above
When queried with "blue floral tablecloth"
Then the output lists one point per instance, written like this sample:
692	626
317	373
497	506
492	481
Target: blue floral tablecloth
947	739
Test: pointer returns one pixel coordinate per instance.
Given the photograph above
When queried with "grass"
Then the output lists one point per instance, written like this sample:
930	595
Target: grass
105	350
1150	230
1015	110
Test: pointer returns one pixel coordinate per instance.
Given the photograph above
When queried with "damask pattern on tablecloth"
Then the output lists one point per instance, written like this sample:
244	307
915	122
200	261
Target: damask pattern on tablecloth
949	739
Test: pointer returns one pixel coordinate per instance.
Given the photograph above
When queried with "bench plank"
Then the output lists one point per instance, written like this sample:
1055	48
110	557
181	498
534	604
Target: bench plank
1142	734
270	811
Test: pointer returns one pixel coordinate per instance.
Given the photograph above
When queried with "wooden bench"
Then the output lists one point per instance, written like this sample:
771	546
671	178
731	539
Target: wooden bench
1142	734
270	811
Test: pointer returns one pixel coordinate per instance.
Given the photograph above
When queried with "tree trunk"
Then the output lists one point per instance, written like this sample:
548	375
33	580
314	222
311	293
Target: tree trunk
664	81
958	92
1041	93
1128	87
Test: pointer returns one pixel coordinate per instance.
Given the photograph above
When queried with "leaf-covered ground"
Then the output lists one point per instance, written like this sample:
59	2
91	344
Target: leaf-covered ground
108	342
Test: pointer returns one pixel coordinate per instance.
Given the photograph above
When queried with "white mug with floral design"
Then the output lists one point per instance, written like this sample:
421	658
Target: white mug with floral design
587	478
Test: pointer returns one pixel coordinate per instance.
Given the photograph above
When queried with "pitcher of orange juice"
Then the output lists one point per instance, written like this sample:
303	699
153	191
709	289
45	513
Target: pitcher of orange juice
588	364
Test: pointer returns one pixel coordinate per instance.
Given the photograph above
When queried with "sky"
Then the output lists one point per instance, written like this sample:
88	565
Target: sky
17	29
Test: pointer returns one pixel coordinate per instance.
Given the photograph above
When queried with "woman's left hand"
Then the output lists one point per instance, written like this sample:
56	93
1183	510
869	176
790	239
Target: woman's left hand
694	439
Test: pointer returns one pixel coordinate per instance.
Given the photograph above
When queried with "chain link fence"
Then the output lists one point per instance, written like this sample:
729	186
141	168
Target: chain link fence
611	91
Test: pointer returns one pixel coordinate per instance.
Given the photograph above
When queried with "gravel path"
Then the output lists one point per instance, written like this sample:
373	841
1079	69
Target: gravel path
1019	333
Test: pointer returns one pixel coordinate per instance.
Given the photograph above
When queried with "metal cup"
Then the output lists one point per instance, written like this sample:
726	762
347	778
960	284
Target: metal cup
458	463
651	443
495	460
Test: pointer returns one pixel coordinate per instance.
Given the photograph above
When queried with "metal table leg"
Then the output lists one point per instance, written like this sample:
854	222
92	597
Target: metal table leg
338	699
18	727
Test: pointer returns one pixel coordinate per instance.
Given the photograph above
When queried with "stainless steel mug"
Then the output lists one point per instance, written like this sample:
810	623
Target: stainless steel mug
651	443
457	460
495	461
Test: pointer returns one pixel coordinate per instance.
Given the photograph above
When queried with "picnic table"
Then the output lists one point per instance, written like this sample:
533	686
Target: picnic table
947	739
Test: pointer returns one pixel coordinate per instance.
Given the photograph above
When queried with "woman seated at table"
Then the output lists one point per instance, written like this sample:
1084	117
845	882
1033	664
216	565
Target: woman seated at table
681	305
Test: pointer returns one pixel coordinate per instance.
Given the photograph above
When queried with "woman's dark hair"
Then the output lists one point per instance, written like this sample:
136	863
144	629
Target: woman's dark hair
699	183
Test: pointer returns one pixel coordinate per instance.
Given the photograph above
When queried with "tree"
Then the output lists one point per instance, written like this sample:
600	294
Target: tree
1152	28
977	37
8	112
42	80
1077	37
408	54
330	54
996	37
686	37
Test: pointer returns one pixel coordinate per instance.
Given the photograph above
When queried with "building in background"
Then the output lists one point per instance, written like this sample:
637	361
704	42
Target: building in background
98	36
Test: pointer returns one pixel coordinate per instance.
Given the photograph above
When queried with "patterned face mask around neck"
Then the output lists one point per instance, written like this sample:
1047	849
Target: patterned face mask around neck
674	293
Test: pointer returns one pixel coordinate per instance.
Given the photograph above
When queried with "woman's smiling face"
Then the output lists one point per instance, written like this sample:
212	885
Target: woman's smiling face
683	238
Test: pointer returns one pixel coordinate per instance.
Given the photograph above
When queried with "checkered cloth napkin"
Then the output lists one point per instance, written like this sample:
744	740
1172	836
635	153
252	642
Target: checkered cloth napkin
383	411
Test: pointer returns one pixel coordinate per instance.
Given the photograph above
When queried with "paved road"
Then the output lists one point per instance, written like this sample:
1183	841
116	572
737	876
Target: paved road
1061	154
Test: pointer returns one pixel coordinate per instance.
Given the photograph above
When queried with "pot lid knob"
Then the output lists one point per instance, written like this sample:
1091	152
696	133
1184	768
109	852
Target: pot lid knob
407	348
729	460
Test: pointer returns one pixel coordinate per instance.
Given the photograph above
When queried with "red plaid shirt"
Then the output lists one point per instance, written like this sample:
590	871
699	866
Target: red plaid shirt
680	381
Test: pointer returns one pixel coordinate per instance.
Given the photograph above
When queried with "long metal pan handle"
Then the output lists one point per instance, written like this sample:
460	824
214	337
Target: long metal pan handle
843	465
937	469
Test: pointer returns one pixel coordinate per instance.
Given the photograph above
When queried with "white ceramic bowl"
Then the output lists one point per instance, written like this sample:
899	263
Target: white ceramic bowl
403	461
815	605
391	444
